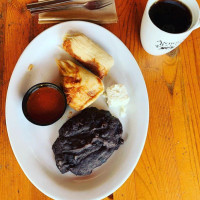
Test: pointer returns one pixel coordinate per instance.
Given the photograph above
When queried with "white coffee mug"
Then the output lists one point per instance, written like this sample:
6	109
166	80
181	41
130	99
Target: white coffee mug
158	42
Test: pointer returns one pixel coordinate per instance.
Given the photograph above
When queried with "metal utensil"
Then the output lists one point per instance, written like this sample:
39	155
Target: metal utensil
46	3
90	5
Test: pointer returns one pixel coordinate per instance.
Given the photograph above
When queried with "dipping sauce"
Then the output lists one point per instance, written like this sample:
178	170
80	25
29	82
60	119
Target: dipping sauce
45	105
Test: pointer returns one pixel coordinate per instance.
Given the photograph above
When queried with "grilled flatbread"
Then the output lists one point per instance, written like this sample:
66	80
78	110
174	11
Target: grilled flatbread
92	56
81	86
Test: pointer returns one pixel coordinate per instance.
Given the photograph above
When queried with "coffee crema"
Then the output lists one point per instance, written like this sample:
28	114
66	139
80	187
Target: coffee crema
171	16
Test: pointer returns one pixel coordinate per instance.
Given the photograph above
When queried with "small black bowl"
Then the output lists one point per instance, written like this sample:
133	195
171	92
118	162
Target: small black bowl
32	90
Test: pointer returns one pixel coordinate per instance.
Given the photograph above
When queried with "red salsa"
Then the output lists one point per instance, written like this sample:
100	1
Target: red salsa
45	105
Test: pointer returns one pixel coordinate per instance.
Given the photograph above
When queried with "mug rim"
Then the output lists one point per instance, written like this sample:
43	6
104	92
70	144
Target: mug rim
177	34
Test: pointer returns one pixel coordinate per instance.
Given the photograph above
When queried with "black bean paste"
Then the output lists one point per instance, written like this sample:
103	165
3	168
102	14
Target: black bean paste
86	141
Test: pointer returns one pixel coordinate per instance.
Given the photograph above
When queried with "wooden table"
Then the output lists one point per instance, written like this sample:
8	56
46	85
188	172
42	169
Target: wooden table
169	168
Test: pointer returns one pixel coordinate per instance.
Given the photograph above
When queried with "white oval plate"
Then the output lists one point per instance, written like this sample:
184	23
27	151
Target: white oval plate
32	144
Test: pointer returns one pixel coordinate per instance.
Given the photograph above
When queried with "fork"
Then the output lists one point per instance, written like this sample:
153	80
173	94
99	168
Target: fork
90	5
46	3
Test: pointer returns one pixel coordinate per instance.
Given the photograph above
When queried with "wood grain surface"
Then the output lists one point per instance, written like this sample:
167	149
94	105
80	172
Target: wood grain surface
169	168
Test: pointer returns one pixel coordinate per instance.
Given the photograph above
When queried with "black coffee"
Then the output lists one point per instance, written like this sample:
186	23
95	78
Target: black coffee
171	16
